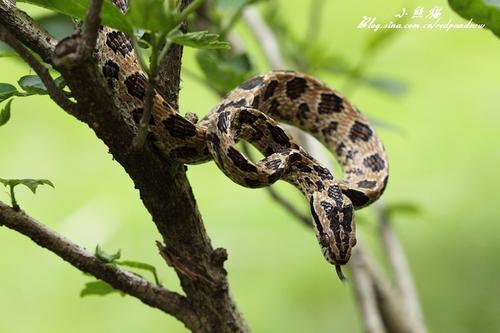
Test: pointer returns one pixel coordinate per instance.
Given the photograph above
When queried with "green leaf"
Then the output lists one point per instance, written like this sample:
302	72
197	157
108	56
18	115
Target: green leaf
140	265
110	14
199	39
5	113
32	184
106	257
99	288
224	73
33	85
480	11
402	208
7	91
58	25
150	15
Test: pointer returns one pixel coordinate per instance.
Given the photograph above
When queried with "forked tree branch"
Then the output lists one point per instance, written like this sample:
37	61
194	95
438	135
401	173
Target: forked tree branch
162	183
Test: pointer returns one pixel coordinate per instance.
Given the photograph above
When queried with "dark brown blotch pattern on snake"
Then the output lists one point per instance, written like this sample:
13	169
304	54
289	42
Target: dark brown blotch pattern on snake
117	41
223	122
360	131
374	162
240	161
136	84
111	71
271	88
358	198
279	135
367	184
252	83
178	127
296	87
330	103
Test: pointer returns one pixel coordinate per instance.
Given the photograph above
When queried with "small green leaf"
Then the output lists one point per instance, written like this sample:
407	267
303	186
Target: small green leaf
7	91
33	85
98	288
106	257
32	184
402	208
223	72
110	14
199	39
5	113
480	11
140	265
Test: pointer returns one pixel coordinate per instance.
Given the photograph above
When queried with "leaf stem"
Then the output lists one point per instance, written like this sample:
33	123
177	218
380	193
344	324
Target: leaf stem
15	205
155	60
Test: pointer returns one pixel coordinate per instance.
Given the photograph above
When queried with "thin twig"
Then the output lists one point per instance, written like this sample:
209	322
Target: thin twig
156	57
315	14
55	93
91	27
265	37
362	286
401	270
131	284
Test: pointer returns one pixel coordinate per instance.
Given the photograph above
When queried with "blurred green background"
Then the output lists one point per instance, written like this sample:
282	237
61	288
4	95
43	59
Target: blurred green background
444	158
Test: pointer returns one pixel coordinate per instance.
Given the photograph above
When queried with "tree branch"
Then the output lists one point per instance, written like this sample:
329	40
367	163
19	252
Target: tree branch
362	286
402	275
265	37
27	31
91	27
131	284
162	183
55	93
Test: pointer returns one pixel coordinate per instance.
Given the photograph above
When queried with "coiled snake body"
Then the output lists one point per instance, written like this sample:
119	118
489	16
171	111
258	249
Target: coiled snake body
251	112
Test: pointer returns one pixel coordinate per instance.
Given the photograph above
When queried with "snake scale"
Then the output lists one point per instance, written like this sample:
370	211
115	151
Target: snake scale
251	112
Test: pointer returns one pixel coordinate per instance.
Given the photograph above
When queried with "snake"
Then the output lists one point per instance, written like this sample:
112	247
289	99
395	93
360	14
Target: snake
252	112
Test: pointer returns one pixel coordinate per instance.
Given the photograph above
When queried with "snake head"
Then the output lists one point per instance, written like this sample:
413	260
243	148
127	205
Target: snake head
334	224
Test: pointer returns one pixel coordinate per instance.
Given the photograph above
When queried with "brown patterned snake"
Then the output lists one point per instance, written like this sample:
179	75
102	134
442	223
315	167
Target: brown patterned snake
250	112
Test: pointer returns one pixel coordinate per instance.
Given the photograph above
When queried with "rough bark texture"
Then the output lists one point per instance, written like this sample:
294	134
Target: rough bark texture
162	183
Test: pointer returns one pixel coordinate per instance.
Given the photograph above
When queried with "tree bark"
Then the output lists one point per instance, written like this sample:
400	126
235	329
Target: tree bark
162	183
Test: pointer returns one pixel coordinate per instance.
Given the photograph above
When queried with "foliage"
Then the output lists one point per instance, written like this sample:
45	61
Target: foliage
481	11
5	113
102	288
32	184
